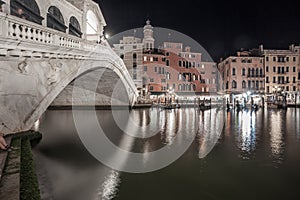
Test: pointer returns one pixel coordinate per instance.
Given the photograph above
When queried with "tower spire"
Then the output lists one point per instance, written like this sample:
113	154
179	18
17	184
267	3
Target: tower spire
148	36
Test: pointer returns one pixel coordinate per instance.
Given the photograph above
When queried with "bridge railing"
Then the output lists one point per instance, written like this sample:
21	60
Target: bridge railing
21	29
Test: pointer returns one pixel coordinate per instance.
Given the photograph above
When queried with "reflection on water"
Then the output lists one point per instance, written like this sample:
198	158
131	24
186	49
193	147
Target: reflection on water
263	140
210	125
246	134
276	132
108	189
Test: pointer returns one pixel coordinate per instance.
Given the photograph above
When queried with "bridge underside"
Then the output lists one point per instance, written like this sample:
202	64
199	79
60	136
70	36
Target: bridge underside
100	88
29	86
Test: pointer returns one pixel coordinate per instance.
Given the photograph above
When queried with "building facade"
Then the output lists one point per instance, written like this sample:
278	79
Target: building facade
130	49
282	70
180	71
171	68
262	71
243	73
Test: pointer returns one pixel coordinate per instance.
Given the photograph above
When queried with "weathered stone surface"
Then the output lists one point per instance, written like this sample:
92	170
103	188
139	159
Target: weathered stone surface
23	98
10	182
35	68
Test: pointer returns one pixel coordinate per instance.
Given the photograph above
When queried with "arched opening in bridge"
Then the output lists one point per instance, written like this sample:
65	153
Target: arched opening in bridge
92	26
98	87
26	9
55	19
74	27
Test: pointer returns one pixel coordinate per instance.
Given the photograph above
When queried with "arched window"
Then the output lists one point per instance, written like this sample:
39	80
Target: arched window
261	72
55	19
168	75
249	72
134	56
179	87
122	56
243	72
92	23
26	9
227	85
244	84
257	71
233	72
74	27
234	85
179	77
1	3
194	88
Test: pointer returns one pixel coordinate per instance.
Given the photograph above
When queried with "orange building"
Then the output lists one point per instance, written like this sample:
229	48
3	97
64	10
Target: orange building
171	69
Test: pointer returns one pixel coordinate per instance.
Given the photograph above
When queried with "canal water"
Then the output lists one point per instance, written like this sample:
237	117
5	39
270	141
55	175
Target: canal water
256	156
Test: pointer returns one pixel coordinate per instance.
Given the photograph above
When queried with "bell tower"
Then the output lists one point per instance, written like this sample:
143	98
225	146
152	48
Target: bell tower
148	36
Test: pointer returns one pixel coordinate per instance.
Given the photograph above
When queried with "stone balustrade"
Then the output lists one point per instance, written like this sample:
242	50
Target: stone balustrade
19	29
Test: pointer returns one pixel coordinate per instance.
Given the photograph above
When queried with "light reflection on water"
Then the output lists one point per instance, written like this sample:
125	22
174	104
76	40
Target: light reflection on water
245	133
260	136
109	188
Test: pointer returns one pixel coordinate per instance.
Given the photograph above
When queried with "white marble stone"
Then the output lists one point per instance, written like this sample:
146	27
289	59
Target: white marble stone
33	73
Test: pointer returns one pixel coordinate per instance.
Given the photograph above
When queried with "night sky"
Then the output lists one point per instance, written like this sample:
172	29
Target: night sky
221	27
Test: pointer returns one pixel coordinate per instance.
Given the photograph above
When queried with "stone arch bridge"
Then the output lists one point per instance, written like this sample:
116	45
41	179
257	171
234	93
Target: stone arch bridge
39	63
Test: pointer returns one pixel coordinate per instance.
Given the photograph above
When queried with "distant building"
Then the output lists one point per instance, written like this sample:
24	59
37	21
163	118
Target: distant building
171	68
183	72
282	69
130	49
243	73
262	71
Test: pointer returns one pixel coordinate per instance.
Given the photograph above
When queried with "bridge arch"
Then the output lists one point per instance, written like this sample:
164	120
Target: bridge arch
29	94
111	65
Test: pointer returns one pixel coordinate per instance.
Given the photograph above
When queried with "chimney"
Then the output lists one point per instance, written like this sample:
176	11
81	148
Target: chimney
238	54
